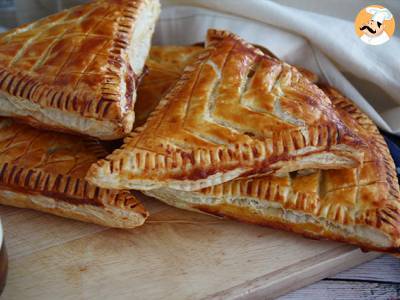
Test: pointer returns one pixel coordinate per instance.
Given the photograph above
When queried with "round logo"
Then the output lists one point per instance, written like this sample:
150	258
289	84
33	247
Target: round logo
374	25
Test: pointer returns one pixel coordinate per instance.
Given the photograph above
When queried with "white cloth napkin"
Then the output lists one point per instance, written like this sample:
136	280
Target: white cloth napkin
321	43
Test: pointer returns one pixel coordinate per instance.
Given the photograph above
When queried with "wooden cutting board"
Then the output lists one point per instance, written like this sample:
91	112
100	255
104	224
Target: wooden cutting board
176	255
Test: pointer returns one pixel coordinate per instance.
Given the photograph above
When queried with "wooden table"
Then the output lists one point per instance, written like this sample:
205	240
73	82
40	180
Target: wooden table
200	256
377	279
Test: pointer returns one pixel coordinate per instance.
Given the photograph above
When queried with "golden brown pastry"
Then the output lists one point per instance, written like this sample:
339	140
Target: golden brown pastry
233	112
165	65
77	71
311	76
45	171
359	206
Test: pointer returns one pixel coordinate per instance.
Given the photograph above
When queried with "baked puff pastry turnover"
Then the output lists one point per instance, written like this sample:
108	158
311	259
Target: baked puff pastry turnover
360	206
45	171
235	111
165	65
77	71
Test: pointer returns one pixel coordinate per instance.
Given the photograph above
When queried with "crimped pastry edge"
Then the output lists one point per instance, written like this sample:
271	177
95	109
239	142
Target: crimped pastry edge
100	174
52	99
383	237
63	194
117	171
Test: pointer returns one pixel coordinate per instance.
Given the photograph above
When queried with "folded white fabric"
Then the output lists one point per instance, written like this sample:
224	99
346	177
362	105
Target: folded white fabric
316	41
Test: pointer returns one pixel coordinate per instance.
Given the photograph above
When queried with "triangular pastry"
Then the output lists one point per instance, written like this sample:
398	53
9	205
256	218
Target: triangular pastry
45	171
235	111
77	70
159	71
359	206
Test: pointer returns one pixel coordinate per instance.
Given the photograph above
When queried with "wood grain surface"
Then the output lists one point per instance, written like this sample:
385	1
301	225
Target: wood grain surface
345	290
377	279
383	269
176	255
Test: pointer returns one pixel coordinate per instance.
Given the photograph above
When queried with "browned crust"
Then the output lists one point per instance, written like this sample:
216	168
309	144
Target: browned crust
384	213
312	77
39	163
100	101
162	160
64	187
75	191
272	188
164	65
387	216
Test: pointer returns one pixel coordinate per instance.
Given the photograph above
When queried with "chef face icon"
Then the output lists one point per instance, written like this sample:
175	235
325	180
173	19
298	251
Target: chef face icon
375	25
373	28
